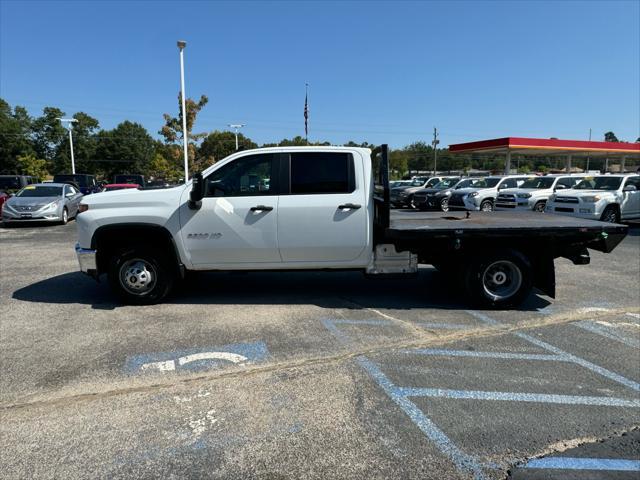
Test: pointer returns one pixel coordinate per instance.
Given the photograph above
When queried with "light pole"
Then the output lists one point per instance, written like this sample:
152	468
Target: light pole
70	122
434	144
236	127
181	46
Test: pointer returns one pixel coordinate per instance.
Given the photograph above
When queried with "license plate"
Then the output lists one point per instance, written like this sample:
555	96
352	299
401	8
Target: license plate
25	215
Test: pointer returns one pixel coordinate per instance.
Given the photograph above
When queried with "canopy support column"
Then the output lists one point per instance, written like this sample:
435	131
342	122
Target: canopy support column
507	163
622	162
568	164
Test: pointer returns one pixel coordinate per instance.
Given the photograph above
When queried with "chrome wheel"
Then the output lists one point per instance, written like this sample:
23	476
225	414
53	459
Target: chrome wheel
501	280
486	207
65	216
137	276
444	205
539	207
610	215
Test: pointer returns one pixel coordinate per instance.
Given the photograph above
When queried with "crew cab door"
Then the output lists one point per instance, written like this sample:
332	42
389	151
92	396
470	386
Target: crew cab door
631	200
322	217
237	222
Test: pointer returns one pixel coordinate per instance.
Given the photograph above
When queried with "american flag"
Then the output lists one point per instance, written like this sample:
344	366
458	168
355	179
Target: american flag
306	114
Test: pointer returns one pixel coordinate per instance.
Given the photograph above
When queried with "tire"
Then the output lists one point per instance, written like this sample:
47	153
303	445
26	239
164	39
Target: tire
611	214
499	280
411	203
539	207
444	204
140	276
486	206
65	216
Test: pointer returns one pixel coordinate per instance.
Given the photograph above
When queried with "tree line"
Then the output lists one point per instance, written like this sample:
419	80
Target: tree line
39	146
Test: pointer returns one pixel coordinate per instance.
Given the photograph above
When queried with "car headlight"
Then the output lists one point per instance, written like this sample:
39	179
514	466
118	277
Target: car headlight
524	195
51	206
473	194
591	199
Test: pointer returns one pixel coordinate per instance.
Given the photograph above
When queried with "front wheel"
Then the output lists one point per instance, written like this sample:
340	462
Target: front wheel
611	215
539	207
65	216
140	276
486	206
444	204
499	280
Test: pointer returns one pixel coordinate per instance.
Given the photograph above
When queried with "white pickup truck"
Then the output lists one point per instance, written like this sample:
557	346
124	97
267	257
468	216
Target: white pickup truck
317	208
610	198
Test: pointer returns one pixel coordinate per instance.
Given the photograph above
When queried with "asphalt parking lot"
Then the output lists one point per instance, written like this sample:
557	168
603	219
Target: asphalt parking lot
315	375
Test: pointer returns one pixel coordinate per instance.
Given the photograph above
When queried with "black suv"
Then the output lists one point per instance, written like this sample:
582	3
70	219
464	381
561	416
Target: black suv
13	183
86	183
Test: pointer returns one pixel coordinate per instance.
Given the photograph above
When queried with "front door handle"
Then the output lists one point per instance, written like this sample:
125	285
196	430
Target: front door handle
261	208
349	206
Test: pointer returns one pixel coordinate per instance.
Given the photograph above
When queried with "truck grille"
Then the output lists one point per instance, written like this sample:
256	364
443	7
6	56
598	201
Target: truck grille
567	200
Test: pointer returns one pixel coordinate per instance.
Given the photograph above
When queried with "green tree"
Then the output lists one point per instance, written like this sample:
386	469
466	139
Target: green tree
172	133
48	133
84	146
128	148
160	167
297	141
15	136
30	165
610	137
218	145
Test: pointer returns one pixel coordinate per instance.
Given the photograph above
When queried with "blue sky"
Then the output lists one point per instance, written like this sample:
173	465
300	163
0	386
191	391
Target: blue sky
378	71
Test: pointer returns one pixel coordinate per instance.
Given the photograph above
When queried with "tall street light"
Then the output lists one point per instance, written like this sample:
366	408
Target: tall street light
70	122
236	127
181	46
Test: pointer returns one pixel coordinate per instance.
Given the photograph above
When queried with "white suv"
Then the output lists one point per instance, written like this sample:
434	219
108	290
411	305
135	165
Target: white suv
483	194
610	198
534	192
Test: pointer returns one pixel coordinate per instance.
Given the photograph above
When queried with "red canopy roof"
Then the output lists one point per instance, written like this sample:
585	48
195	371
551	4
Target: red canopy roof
546	146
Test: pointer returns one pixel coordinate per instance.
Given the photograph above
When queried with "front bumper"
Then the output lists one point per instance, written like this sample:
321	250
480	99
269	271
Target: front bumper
8	217
87	260
575	210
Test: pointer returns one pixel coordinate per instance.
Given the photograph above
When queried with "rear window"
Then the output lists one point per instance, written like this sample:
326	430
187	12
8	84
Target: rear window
9	183
319	172
82	180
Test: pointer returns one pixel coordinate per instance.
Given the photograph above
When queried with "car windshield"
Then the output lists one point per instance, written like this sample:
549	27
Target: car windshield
538	182
9	183
81	180
486	183
599	183
445	183
416	182
467	182
39	191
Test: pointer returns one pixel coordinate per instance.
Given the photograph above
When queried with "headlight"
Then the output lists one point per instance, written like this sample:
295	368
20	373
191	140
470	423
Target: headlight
591	199
473	194
51	206
524	195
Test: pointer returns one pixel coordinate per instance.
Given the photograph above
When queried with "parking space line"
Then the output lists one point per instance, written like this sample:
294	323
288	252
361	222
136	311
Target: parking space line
572	463
444	326
634	315
469	353
461	460
607	332
569	357
518	397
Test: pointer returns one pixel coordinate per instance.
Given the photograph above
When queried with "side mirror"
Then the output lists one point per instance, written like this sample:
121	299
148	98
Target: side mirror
197	192
559	187
630	188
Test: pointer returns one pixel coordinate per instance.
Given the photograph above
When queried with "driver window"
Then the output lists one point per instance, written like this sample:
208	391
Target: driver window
244	177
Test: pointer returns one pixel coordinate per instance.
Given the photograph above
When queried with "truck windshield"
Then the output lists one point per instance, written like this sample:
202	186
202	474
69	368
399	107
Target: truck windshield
39	191
486	183
538	182
599	183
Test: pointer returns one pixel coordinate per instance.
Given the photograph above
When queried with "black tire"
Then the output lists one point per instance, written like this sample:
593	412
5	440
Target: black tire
486	206
611	214
140	276
444	204
539	207
499	280
65	216
411	204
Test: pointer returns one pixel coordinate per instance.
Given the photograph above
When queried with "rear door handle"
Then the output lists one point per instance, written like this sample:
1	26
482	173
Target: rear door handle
349	206
261	208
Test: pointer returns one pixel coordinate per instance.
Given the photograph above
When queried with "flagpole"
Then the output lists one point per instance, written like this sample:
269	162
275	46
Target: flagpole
306	113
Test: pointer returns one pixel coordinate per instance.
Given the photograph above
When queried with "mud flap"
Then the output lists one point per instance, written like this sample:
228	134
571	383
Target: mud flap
544	276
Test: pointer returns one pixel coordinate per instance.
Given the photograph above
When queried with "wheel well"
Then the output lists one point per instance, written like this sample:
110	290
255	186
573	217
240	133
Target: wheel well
106	240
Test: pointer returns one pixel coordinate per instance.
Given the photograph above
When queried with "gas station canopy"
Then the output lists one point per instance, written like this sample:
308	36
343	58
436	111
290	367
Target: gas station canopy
549	147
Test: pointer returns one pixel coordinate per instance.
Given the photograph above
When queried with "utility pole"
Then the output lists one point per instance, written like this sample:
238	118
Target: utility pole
434	144
181	46
236	127
70	122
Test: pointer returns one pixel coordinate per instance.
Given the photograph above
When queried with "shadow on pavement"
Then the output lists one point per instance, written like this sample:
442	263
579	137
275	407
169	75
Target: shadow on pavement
324	289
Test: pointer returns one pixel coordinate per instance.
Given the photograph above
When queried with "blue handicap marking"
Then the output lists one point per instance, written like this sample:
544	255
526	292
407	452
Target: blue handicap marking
198	359
570	463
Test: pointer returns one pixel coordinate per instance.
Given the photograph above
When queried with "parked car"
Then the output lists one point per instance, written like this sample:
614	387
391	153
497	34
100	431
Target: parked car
130	178
86	183
110	187
610	198
12	183
43	202
400	183
534	192
442	197
482	195
403	196
4	196
424	199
